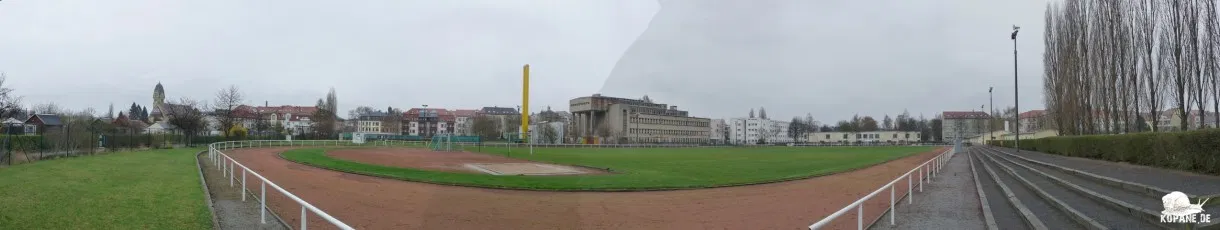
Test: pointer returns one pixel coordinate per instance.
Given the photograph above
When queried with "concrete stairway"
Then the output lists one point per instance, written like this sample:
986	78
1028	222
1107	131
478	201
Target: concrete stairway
1023	193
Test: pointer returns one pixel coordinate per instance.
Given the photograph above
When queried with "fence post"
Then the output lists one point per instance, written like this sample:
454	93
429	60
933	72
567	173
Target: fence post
303	217
231	173
921	178
892	209
243	185
911	198
263	203
860	216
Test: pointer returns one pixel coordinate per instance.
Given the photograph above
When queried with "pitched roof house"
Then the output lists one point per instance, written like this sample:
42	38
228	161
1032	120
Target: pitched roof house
39	123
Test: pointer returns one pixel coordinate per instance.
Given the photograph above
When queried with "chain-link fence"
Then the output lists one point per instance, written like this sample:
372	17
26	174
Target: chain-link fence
68	142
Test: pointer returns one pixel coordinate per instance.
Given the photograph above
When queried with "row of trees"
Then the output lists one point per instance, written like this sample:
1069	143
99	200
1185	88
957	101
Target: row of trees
930	130
1111	66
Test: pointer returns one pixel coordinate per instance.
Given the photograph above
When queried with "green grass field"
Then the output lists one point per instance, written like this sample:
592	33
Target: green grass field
642	169
156	189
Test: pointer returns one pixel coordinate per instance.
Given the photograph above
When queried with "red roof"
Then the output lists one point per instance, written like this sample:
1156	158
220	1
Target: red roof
1032	114
465	112
964	114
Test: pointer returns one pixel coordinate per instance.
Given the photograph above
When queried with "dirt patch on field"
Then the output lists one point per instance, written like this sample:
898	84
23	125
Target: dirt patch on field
379	203
459	162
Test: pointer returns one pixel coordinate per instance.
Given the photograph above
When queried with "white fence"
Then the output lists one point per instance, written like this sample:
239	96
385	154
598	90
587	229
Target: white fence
927	170
678	145
228	167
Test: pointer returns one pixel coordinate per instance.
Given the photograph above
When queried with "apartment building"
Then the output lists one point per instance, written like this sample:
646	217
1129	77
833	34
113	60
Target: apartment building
428	122
370	123
603	119
463	123
294	119
961	125
719	133
749	131
864	137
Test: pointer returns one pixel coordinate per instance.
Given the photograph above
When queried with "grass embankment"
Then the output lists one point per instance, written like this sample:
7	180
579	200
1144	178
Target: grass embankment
641	168
156	189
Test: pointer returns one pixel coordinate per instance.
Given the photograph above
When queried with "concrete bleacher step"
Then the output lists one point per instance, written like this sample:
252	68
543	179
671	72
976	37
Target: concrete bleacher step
1112	207
1049	206
1130	194
1009	209
1151	181
1002	206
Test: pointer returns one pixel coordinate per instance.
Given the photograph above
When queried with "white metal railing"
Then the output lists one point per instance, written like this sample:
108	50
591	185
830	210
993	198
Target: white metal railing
485	144
928	170
227	166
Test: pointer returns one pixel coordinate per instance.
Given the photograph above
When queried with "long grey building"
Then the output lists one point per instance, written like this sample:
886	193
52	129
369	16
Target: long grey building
602	119
963	124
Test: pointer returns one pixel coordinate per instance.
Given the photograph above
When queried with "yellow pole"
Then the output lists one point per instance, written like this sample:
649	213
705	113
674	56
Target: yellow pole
525	103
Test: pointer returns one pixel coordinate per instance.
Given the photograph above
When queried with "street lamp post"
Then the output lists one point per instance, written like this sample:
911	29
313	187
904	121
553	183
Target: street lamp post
423	113
991	103
1016	96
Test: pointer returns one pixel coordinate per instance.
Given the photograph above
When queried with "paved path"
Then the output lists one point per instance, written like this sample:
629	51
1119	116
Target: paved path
950	201
231	212
1174	180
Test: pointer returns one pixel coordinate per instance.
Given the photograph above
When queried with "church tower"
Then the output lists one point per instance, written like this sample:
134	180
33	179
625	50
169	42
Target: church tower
158	96
158	101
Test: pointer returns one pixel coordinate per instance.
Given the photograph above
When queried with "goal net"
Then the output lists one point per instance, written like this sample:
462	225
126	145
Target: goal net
442	142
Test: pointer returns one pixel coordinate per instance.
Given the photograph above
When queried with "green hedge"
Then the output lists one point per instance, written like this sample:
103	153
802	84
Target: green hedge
25	143
1195	151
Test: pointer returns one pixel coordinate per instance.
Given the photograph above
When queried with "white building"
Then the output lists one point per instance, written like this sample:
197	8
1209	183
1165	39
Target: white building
162	127
864	137
369	127
213	124
751	131
370	123
463	121
719	131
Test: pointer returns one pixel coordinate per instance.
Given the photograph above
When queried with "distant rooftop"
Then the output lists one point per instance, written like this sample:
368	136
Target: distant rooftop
964	114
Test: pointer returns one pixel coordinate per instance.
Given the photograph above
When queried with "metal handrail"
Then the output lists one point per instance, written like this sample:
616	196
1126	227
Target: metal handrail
933	170
226	164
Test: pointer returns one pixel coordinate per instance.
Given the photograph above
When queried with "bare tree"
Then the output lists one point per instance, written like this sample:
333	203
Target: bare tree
226	102
359	111
47	108
1105	61
332	100
486	126
547	133
323	121
10	105
187	116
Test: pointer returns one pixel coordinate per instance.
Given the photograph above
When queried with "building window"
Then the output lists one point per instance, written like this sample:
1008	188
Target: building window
895	135
828	136
908	136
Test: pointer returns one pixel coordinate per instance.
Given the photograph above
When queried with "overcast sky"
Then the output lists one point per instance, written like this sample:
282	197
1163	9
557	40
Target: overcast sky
716	58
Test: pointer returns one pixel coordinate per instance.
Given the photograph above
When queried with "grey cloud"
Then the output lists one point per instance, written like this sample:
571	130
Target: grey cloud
716	58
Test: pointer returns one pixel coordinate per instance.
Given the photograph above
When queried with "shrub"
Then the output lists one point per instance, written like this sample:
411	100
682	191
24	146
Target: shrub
25	143
237	132
1195	151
